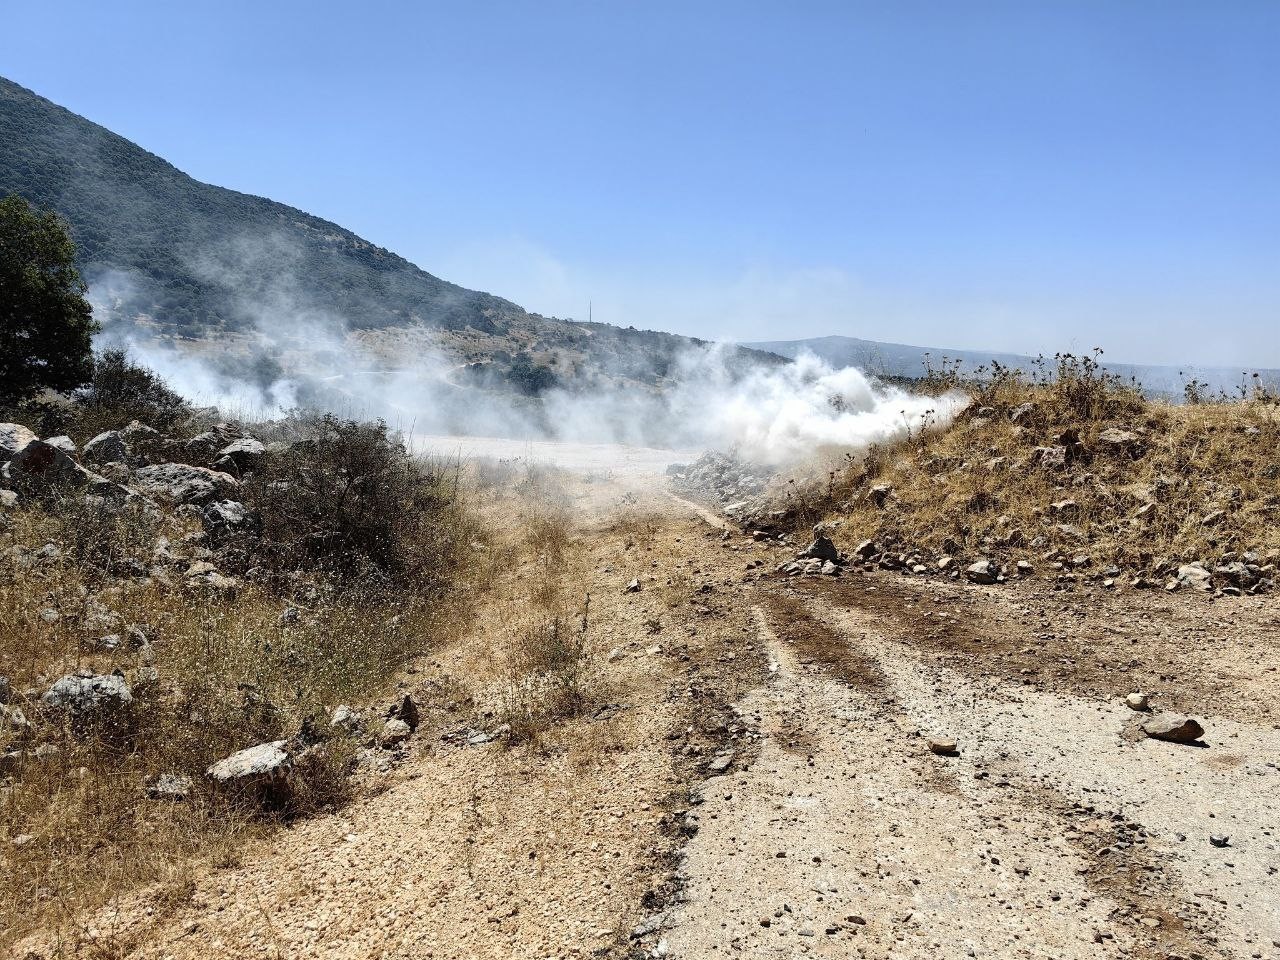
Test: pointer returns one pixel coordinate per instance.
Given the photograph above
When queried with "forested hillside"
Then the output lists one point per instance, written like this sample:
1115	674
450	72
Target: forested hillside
132	212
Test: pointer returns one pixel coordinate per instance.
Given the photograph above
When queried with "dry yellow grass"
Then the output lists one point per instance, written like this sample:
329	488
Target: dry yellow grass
210	674
1200	480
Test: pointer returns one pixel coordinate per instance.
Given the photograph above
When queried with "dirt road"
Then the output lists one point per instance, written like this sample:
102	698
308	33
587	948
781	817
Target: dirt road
754	779
1049	834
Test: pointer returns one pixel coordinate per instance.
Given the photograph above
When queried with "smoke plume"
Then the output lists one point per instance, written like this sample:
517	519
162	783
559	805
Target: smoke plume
288	353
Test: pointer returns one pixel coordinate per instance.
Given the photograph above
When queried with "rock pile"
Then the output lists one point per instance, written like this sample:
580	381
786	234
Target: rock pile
721	478
140	467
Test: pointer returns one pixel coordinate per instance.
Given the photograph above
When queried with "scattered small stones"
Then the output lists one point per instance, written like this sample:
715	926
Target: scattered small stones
651	924
722	478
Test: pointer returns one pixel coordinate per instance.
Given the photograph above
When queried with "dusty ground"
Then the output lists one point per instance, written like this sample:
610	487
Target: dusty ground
754	780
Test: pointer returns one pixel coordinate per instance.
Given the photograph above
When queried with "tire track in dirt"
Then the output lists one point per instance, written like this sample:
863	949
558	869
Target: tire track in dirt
1137	813
720	523
865	844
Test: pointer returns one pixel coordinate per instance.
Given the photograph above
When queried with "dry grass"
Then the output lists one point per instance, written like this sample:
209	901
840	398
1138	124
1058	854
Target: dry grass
550	671
211	673
541	665
1201	480
637	526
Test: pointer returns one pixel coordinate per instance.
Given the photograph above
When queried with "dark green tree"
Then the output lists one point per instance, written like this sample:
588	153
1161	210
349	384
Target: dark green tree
46	324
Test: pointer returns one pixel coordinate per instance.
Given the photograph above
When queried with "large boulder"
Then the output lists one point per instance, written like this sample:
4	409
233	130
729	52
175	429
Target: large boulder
13	720
1069	440
1049	458
40	466
1116	441
1173	728
203	575
205	447
224	517
95	703
145	444
170	786
983	571
179	483
820	549
64	443
240	456
1195	575
13	437
346	719
109	447
257	774
1022	411
1238	574
394	733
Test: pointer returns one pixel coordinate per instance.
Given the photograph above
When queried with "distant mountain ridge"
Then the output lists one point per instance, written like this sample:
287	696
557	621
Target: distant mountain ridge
905	360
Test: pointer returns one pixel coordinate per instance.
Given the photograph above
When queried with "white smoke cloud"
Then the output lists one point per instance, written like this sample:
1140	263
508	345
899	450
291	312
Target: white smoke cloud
293	354
782	415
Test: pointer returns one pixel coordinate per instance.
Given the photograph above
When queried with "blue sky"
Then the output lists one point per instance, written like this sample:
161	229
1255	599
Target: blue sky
1027	176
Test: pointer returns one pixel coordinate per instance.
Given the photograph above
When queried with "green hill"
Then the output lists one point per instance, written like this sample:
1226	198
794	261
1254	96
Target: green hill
134	213
210	267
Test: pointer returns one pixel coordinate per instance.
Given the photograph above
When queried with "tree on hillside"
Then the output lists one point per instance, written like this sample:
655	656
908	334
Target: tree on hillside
46	324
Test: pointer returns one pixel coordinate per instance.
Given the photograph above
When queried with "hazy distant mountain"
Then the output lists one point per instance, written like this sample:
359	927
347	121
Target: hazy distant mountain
903	360
194	261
